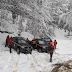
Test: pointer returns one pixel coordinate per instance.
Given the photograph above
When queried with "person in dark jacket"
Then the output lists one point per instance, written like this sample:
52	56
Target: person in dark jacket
51	52
10	43
7	39
55	43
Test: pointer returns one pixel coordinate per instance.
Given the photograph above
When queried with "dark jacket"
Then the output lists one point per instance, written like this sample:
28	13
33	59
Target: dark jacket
52	49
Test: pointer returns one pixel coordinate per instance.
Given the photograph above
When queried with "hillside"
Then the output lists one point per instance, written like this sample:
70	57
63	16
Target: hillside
38	17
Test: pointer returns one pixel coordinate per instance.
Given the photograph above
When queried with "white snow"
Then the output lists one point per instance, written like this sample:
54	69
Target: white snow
35	62
27	35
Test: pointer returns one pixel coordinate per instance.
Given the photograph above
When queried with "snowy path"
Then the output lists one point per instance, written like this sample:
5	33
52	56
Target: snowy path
35	62
9	61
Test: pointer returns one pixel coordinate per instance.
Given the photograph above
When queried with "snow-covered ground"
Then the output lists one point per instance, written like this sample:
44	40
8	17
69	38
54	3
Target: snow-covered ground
35	62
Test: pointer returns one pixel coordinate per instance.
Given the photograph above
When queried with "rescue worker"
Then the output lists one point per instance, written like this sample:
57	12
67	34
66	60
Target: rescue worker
10	43
50	43
7	38
51	52
55	43
34	43
28	41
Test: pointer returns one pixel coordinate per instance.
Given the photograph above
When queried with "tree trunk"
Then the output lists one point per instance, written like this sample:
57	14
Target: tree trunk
68	32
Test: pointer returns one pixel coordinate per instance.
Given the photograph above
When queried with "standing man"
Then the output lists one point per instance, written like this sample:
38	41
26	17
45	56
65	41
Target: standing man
10	43
7	39
51	52
55	43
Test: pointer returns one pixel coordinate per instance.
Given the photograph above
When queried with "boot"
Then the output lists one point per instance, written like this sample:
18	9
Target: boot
50	59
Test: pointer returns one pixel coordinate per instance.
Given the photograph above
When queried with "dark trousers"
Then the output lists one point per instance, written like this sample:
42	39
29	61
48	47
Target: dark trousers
55	46
51	54
6	43
10	46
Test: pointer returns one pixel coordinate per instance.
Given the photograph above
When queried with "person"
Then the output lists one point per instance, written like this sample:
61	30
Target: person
28	41
7	38
51	52
10	44
34	43
55	43
50	43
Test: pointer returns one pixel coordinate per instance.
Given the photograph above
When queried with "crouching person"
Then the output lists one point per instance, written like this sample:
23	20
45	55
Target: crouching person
10	43
51	52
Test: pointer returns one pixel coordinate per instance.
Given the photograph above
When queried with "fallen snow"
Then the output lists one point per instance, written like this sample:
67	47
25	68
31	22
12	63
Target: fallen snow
35	62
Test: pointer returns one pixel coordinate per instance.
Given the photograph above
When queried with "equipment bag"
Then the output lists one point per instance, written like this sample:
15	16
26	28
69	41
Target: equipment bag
50	48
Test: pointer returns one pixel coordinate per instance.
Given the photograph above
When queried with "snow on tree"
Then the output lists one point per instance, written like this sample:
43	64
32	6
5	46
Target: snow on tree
41	15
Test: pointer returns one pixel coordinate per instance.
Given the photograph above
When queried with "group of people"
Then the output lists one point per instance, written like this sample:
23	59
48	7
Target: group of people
53	46
9	42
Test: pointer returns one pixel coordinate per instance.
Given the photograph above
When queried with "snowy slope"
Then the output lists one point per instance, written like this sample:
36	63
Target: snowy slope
35	62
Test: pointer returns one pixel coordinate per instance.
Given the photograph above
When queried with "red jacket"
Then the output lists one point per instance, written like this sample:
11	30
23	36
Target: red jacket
28	41
10	41
55	43
7	38
52	49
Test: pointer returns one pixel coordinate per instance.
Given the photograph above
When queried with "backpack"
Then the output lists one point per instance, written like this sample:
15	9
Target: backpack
50	48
